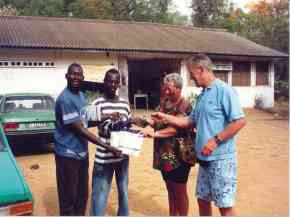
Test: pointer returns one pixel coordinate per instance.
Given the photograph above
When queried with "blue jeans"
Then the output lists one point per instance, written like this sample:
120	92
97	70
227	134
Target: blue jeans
102	180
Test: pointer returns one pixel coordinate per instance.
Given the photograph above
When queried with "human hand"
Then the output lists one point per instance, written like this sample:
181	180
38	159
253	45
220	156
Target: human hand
115	116
158	117
142	121
150	121
116	152
209	147
148	131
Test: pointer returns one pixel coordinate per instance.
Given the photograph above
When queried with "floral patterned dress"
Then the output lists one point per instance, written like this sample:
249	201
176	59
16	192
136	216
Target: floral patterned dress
166	155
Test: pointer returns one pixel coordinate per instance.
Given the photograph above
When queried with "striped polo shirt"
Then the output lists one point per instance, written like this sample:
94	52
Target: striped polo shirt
105	106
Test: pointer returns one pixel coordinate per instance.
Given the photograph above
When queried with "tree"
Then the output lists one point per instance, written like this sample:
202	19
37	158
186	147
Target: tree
177	18
87	9
136	10
272	22
266	23
205	13
8	11
44	8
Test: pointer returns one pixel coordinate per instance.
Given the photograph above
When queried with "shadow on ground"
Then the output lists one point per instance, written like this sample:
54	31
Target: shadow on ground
27	148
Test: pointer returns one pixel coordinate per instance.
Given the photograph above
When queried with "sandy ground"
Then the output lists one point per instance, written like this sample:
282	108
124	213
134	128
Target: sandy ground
262	175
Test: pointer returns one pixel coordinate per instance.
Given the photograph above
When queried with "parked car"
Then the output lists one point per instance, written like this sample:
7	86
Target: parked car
27	117
15	196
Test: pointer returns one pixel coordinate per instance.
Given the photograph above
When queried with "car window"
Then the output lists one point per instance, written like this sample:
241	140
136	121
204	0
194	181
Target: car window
28	103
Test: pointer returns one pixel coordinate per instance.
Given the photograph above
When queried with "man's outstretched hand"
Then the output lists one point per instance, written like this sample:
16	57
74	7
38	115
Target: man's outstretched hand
116	152
158	117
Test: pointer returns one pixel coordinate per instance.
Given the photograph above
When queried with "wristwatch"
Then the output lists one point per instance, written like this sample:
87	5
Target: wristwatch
217	140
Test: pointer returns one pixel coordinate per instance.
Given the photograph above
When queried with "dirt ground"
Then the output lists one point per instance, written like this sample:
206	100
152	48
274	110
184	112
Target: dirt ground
262	175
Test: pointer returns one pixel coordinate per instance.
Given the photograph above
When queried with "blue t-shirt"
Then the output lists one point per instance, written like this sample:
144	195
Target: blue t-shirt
70	108
216	107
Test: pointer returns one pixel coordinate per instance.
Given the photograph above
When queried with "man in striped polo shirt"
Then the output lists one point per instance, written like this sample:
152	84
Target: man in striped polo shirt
108	108
71	145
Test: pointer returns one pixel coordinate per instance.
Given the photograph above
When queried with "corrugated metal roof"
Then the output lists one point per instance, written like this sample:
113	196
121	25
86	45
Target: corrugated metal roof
65	33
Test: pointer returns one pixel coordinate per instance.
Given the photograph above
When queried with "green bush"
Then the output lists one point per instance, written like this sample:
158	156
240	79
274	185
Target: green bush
191	97
281	89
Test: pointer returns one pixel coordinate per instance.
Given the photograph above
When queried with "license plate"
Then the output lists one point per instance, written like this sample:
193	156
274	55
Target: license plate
38	125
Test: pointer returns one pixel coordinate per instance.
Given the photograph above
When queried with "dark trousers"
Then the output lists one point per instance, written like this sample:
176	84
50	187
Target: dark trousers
72	185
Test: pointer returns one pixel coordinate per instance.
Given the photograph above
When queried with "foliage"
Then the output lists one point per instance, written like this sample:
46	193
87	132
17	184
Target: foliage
266	23
205	13
91	96
8	11
281	89
45	8
161	11
192	97
272	23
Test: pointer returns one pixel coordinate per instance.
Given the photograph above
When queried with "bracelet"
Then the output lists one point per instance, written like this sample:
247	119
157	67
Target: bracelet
217	140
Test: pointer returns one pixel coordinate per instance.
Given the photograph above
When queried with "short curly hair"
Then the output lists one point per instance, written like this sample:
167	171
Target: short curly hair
175	78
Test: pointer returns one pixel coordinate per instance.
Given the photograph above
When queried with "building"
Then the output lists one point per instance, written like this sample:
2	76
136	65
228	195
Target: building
36	51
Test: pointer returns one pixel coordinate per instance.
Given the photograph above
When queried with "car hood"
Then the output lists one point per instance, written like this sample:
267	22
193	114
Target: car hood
28	116
12	185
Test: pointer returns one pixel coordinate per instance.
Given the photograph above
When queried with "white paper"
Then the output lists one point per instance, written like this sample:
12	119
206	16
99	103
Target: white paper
129	143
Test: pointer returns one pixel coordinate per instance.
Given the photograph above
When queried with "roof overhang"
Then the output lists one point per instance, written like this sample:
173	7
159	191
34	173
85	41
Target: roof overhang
142	53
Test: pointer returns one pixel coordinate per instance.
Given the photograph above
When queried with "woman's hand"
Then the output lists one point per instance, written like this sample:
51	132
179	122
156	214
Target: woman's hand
158	117
150	121
148	131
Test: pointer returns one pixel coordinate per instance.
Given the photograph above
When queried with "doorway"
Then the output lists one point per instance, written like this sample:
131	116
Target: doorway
145	77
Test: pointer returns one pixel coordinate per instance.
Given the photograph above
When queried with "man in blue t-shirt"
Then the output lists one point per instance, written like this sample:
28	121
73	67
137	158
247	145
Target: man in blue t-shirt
71	145
218	117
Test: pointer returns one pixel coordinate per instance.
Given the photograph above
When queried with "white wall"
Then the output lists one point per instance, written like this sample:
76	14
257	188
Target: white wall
247	95
52	80
40	79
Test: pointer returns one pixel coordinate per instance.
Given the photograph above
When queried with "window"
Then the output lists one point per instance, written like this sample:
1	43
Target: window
241	74
222	75
28	103
29	64
262	73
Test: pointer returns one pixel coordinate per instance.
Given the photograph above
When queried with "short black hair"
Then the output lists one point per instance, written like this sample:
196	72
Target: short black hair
74	65
110	72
